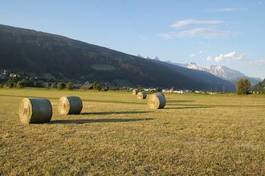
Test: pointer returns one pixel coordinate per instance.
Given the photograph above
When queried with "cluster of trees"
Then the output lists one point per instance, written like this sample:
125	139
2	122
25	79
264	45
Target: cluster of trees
60	85
95	86
69	85
260	87
16	83
243	87
10	83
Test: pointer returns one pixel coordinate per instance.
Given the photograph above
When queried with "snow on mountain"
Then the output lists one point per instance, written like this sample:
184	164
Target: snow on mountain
194	66
223	72
226	73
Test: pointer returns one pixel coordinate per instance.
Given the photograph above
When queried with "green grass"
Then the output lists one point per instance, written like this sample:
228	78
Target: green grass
118	134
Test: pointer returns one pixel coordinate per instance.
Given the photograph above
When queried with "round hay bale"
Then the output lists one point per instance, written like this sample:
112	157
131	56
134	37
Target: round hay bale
35	110
135	91
141	95
70	105
156	101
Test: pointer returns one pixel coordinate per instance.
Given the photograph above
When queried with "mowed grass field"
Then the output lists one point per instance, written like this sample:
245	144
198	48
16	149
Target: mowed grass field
117	134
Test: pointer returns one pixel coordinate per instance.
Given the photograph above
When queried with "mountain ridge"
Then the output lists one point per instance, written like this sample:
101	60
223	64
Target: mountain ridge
39	53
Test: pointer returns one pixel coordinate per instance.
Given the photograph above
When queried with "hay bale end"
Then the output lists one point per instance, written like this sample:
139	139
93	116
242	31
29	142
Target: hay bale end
70	105
35	110
156	101
141	95
135	91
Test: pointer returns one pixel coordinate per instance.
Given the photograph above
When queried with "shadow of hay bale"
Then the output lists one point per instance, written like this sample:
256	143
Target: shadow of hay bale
180	101
105	120
110	113
187	107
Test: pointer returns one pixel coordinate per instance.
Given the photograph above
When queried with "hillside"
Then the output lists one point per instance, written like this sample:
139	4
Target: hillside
49	55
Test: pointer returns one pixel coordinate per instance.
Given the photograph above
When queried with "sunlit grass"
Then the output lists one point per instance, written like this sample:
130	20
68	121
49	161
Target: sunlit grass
117	134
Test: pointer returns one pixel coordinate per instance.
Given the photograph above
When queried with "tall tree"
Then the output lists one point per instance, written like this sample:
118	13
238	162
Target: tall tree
243	86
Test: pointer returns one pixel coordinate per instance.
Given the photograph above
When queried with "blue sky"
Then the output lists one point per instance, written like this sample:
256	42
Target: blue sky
206	32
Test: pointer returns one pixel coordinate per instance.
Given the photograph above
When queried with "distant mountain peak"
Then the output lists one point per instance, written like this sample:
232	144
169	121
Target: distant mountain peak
223	72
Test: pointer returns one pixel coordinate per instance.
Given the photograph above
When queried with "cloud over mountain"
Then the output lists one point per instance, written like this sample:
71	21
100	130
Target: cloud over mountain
191	28
227	57
191	22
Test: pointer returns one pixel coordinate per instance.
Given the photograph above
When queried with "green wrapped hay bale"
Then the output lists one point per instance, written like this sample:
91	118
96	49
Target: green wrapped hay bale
35	110
141	95
156	101
135	91
70	105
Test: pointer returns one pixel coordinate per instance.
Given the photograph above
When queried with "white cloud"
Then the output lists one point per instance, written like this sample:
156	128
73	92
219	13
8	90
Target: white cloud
262	61
228	9
227	57
191	28
258	61
204	32
197	32
191	22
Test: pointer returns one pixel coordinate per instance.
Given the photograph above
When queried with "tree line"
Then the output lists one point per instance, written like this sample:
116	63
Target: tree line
243	86
60	85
